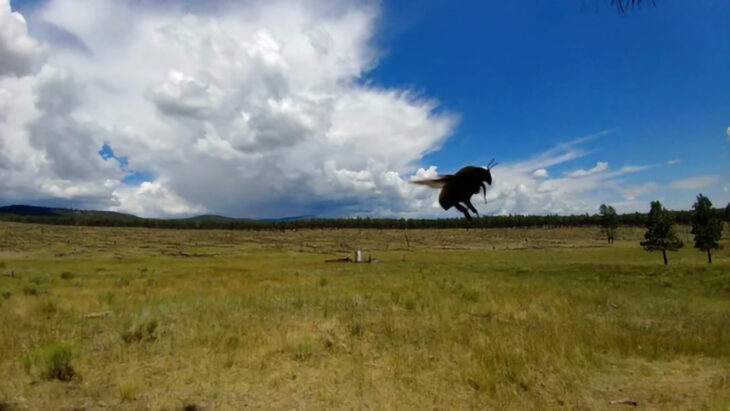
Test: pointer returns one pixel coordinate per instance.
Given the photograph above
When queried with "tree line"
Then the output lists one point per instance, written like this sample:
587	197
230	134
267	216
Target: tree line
606	213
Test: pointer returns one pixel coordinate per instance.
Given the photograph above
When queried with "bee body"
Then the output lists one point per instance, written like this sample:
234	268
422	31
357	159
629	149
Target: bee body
457	189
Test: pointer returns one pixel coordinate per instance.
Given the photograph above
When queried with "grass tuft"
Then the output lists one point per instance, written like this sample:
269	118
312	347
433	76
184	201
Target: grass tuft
51	362
303	350
143	329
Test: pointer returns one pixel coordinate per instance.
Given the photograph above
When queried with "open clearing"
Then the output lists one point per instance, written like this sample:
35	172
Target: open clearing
495	318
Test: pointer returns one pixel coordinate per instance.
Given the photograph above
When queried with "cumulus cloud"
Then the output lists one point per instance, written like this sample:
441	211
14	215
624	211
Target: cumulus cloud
252	109
20	54
728	133
249	109
151	198
540	173
693	183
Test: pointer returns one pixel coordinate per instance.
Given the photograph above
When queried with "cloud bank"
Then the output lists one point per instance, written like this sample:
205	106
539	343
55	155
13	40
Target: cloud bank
255	109
694	183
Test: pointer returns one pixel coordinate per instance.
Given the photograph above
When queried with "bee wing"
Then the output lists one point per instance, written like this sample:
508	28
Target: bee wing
433	182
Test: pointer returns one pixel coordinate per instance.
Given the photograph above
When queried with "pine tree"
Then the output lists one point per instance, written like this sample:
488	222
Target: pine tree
705	226
660	234
609	221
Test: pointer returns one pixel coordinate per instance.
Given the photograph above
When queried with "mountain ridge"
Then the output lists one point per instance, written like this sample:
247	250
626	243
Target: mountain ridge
24	210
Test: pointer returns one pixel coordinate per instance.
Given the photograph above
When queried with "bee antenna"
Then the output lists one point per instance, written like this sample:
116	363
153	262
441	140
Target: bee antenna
491	164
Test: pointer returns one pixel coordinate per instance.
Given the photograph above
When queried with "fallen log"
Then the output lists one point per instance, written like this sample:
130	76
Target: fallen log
626	401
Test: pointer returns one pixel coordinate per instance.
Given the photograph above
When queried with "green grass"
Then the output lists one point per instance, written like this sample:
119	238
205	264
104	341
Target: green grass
517	319
50	362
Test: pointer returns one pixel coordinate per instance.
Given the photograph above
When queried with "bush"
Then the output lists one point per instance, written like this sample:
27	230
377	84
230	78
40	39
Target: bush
51	362
471	295
145	329
122	281
30	289
37	280
66	275
48	307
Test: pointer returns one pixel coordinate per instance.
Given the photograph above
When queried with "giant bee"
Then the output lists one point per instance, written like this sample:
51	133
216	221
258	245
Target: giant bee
457	189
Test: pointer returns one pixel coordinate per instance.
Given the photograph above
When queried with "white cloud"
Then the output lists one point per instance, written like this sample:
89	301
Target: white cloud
20	54
693	183
600	166
632	192
674	161
728	132
250	109
540	173
152	198
517	191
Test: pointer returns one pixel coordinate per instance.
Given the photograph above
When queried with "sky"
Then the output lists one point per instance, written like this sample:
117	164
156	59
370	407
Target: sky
267	109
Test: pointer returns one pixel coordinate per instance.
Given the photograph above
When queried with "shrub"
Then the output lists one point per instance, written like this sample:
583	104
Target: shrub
356	329
471	295
48	307
30	289
107	297
66	275
122	281
303	351
144	329
51	362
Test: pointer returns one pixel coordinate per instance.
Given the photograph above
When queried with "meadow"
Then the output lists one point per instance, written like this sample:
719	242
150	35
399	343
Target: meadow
137	318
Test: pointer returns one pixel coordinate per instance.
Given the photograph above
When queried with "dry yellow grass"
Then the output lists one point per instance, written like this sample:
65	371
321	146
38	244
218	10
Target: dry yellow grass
516	319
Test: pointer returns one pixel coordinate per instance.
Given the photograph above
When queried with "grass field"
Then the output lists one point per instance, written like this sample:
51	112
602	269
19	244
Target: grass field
452	319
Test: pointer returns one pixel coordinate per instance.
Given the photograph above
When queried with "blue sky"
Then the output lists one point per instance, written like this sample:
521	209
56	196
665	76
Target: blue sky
330	108
526	74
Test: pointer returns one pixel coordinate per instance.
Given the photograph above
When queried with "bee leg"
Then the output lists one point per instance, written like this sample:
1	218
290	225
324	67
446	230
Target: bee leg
463	210
471	207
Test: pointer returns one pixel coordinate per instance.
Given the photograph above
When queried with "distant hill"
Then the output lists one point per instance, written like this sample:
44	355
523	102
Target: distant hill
34	211
56	213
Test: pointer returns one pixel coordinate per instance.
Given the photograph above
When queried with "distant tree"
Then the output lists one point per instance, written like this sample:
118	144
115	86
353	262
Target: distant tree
660	235
705	226
609	221
727	213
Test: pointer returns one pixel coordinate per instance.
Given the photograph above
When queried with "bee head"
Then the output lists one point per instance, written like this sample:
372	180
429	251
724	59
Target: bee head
487	174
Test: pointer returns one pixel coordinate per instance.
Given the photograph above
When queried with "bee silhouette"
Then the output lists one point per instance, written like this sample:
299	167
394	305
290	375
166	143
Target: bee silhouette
457	189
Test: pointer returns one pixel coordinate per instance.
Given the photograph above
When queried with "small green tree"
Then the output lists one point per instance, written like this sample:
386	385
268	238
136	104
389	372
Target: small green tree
609	221
660	234
706	227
